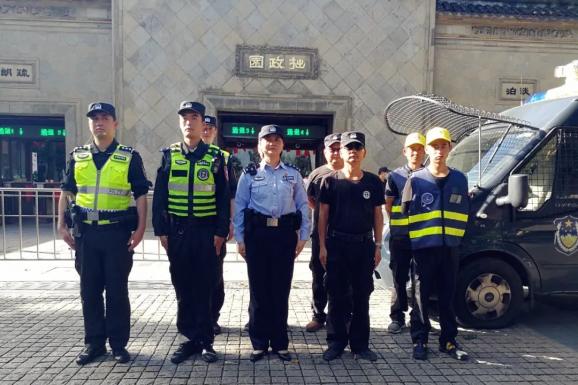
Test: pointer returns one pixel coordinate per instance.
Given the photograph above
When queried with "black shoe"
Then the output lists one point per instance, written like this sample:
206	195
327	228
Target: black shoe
216	329
283	355
420	351
209	355
121	355
365	355
185	350
332	353
89	353
257	355
453	349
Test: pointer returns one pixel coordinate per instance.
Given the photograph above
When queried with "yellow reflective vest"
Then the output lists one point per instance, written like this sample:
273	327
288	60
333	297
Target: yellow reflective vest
107	189
199	197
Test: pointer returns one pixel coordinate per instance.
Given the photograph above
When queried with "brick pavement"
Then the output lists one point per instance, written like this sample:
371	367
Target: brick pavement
41	334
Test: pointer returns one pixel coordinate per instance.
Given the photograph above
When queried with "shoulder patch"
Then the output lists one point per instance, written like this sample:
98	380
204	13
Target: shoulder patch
125	148
292	166
251	169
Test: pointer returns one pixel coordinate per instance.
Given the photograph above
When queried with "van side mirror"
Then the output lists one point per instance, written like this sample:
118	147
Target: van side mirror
518	191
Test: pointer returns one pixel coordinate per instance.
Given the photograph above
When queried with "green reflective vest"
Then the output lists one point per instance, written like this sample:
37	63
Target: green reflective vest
201	201
106	189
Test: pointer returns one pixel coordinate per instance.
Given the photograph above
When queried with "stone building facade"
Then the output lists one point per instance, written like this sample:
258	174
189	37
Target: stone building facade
148	55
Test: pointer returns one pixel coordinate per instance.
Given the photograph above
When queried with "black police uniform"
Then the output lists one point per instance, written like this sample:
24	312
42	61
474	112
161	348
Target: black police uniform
106	265
317	270
219	292
192	256
350	256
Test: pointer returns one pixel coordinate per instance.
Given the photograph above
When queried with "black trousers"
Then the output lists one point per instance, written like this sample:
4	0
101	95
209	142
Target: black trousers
104	266
218	298
270	256
349	267
318	284
399	263
193	268
434	266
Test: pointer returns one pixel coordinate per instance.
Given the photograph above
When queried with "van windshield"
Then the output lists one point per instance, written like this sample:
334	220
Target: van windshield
498	155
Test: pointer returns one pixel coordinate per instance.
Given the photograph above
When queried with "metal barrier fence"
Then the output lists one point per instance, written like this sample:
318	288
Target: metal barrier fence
29	229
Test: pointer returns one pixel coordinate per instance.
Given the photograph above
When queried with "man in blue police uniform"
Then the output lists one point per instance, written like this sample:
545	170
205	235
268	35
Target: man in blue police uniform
99	180
271	227
436	201
399	243
209	136
191	218
332	144
350	230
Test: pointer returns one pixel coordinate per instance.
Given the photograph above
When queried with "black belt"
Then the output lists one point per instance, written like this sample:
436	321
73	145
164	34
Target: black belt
261	220
94	226
348	237
191	220
105	215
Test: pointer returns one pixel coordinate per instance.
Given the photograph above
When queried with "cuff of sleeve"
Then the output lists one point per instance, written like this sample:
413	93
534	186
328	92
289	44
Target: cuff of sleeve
304	237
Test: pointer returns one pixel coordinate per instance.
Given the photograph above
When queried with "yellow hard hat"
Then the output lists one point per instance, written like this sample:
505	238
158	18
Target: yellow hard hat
437	133
414	138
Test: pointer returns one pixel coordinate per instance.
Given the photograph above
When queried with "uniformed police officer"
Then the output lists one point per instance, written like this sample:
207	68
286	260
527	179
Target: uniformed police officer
399	244
271	227
191	217
437	203
99	179
209	135
334	162
350	229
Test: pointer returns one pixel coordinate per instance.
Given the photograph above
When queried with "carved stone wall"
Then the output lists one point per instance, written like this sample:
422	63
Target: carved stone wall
370	52
475	58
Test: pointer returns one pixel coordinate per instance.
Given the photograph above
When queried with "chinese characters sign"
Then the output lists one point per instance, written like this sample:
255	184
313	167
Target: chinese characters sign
251	130
516	90
22	73
277	62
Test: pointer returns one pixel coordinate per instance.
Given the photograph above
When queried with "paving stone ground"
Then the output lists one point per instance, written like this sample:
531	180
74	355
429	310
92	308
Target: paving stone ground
41	334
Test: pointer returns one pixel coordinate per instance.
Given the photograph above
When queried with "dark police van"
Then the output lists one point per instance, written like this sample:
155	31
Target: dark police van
522	168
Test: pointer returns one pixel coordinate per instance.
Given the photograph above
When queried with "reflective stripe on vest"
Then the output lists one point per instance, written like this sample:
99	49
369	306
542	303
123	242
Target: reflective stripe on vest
201	201
438	217
398	221
106	189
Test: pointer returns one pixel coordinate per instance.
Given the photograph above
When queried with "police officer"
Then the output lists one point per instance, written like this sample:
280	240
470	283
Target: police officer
350	228
334	163
271	227
99	179
399	244
191	217
209	134
437	203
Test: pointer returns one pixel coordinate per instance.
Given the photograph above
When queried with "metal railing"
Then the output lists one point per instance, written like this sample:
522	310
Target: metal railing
29	229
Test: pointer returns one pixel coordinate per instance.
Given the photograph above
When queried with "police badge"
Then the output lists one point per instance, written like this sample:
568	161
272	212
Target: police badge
566	237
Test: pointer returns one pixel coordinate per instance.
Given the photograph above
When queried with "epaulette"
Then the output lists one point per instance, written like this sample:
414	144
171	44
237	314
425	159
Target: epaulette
86	147
165	149
251	169
125	148
293	166
214	150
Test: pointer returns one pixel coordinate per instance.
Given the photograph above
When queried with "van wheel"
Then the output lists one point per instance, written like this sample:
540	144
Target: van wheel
489	294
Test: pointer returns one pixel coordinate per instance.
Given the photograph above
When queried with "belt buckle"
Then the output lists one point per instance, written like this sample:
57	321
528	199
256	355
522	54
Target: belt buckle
92	215
272	222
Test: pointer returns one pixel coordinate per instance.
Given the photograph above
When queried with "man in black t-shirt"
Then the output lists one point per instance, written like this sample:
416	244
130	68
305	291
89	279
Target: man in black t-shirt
350	218
334	162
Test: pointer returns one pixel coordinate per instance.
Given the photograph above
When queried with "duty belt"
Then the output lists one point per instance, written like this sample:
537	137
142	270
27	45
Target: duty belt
348	237
287	220
105	215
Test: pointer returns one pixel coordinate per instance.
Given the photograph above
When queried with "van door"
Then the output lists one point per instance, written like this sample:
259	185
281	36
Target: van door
547	228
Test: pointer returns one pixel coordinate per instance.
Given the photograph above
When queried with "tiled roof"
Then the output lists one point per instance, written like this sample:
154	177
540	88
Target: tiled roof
511	8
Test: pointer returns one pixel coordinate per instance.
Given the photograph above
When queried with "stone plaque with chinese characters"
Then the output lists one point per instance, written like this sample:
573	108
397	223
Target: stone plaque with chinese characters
18	73
277	62
517	90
